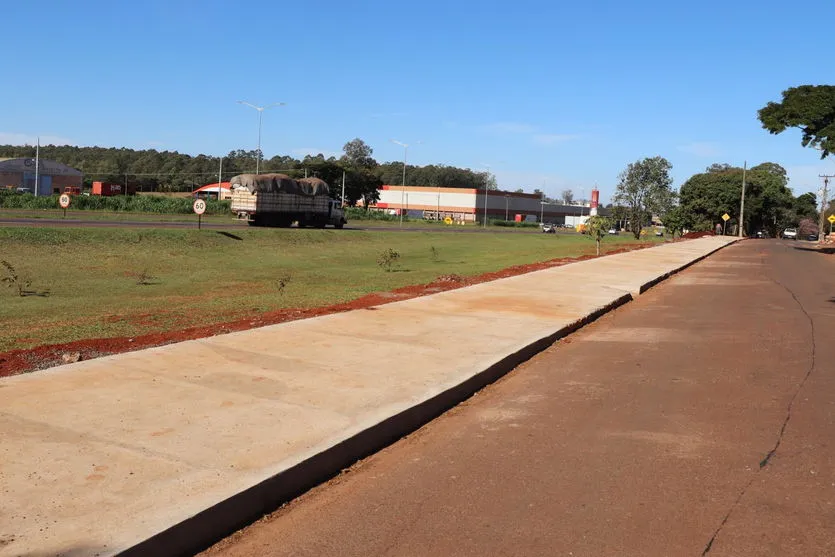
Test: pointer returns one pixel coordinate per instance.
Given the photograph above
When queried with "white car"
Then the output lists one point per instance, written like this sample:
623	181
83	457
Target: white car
614	231
790	234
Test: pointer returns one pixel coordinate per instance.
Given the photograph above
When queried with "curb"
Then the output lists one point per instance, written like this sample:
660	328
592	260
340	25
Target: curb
219	521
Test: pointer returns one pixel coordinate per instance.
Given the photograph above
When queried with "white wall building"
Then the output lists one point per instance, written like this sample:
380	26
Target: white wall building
467	205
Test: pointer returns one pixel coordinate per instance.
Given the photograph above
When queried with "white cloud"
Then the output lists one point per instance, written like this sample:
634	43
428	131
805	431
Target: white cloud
10	138
312	151
552	138
700	149
508	127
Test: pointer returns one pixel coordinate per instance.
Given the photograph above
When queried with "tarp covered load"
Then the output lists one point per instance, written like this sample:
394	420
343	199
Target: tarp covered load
268	183
314	186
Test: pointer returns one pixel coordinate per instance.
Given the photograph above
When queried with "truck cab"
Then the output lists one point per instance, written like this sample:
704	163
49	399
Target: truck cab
337	214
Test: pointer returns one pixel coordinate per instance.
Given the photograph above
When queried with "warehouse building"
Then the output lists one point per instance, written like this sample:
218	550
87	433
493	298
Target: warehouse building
53	177
468	205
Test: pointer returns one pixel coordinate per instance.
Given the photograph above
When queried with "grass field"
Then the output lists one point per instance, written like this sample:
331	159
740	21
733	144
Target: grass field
118	282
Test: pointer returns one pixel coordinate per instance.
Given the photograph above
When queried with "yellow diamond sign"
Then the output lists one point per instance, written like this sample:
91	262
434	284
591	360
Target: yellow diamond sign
831	219
726	217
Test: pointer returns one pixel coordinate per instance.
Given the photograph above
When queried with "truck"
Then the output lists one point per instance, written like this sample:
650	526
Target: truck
278	200
108	189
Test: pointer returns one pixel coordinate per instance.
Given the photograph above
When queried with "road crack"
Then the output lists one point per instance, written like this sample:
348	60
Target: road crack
764	462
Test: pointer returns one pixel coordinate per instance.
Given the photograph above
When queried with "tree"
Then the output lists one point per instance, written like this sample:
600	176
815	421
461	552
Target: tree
518	190
808	107
596	228
806	207
644	189
362	182
358	154
567	196
769	204
488	180
718	167
676	220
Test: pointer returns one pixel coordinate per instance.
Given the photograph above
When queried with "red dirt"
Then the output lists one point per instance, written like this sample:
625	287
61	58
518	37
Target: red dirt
15	362
694	235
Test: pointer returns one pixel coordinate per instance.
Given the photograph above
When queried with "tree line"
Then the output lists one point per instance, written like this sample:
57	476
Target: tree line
170	171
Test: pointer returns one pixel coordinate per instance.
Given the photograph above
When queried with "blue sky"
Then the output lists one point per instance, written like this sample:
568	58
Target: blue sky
553	94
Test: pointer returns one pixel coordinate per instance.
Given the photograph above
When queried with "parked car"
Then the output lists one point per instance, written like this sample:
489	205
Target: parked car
813	237
24	190
549	228
614	231
790	234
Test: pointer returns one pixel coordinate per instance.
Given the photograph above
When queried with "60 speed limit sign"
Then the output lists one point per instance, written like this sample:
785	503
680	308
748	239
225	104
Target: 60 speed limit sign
64	201
199	206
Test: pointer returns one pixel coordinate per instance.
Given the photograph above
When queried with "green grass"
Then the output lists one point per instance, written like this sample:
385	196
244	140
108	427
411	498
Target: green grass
74	214
204	277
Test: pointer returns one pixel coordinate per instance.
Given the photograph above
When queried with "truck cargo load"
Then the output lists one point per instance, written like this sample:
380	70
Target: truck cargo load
278	200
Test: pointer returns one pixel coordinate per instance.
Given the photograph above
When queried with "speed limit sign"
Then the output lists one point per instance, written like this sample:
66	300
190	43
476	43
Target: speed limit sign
199	206
64	201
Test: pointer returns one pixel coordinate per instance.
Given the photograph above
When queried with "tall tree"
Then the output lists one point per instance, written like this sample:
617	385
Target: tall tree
567	196
808	107
358	154
769	204
362	182
645	189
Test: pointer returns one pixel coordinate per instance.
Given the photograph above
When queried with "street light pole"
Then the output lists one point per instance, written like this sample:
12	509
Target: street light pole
825	192
219	178
260	110
486	183
403	187
506	201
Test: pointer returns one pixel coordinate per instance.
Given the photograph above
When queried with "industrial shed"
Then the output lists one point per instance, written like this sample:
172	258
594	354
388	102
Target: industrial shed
468	205
53	177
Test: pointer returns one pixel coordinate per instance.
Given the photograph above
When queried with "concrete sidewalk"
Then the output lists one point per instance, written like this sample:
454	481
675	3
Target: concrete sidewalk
163	451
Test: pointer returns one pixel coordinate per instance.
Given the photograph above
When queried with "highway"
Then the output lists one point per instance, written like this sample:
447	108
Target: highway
79	223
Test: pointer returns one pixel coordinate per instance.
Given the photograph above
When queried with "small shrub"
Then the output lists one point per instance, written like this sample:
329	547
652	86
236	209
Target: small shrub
387	259
282	282
21	284
146	279
434	253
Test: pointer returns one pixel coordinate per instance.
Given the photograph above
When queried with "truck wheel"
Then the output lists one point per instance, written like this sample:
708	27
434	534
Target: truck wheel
340	225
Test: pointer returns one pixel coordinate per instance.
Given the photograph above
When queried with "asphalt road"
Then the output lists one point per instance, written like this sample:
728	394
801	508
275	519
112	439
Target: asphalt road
697	420
76	223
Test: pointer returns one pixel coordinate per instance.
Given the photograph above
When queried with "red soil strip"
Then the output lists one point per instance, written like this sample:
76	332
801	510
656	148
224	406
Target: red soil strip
694	235
15	362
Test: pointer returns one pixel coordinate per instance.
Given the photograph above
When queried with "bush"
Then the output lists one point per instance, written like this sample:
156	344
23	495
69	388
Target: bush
118	203
358	213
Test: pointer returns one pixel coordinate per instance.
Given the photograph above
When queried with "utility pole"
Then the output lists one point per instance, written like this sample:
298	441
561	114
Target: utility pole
343	188
821	218
219	179
742	198
485	203
37	167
